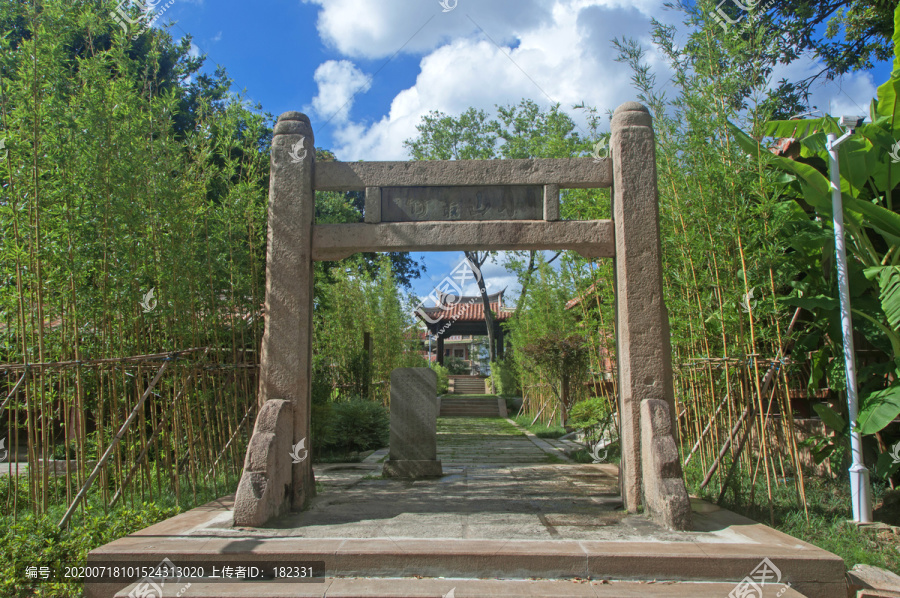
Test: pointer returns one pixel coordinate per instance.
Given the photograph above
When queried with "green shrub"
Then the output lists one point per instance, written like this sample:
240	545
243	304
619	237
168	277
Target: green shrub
610	454
443	378
36	540
503	377
589	412
594	416
353	426
457	366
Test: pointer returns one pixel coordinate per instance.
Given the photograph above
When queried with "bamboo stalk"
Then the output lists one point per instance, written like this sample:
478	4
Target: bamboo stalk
230	440
705	430
113	444
13	391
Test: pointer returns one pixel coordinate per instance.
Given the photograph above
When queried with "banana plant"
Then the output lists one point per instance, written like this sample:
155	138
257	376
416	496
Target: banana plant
869	177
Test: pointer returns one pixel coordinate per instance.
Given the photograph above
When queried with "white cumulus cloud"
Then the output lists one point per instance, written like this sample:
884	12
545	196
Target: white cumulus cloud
565	57
339	81
488	53
379	28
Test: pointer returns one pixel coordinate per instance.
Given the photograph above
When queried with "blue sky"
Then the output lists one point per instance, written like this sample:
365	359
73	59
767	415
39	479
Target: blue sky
365	71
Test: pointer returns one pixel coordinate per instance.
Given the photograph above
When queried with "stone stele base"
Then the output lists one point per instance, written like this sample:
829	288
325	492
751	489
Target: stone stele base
413	469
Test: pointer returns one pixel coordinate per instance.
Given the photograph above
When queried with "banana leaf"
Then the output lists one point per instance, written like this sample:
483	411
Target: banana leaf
879	408
888	278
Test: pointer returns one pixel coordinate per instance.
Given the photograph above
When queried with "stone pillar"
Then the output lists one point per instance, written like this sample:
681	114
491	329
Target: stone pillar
285	367
414	410
642	323
440	349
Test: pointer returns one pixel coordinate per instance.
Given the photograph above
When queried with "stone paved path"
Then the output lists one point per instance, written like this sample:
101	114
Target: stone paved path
504	508
485	441
498	483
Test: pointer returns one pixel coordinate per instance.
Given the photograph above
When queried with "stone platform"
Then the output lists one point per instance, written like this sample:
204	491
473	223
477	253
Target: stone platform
517	523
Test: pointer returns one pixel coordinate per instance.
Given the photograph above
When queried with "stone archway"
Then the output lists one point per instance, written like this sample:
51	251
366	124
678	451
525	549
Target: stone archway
465	205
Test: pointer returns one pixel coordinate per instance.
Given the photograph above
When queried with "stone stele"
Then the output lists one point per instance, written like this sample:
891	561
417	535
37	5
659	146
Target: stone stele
414	409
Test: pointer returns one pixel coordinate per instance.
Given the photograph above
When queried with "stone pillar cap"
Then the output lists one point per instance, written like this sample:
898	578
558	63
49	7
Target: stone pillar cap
632	107
293	123
631	114
294	115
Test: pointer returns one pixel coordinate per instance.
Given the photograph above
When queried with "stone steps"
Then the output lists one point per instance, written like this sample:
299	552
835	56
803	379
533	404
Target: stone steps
468	390
449	400
467	385
468	414
654	567
453	407
470	588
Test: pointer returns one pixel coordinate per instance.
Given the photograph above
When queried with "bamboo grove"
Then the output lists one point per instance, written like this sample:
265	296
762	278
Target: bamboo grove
133	216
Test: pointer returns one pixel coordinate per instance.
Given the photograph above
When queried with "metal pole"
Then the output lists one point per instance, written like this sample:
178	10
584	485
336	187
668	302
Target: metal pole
859	475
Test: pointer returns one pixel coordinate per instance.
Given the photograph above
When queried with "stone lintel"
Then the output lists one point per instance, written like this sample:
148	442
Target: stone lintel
568	173
592	239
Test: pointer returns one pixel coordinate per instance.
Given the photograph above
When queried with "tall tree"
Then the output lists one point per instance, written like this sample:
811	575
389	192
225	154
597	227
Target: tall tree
477	260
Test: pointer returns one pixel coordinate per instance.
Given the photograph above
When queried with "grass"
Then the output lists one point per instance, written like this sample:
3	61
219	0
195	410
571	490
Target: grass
538	429
476	426
828	504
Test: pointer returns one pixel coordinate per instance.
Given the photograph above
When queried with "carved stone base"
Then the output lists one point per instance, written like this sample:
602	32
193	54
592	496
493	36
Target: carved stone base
264	492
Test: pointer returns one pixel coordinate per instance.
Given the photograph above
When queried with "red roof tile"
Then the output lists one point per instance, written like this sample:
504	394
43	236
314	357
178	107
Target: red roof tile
468	311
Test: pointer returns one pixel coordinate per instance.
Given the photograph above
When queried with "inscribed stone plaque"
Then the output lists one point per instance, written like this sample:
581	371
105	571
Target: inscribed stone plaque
415	204
413	414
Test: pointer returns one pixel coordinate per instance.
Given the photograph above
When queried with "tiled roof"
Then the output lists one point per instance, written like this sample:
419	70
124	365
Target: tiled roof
468	311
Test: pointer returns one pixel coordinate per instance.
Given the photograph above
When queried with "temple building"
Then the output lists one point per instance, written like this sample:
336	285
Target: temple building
463	316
